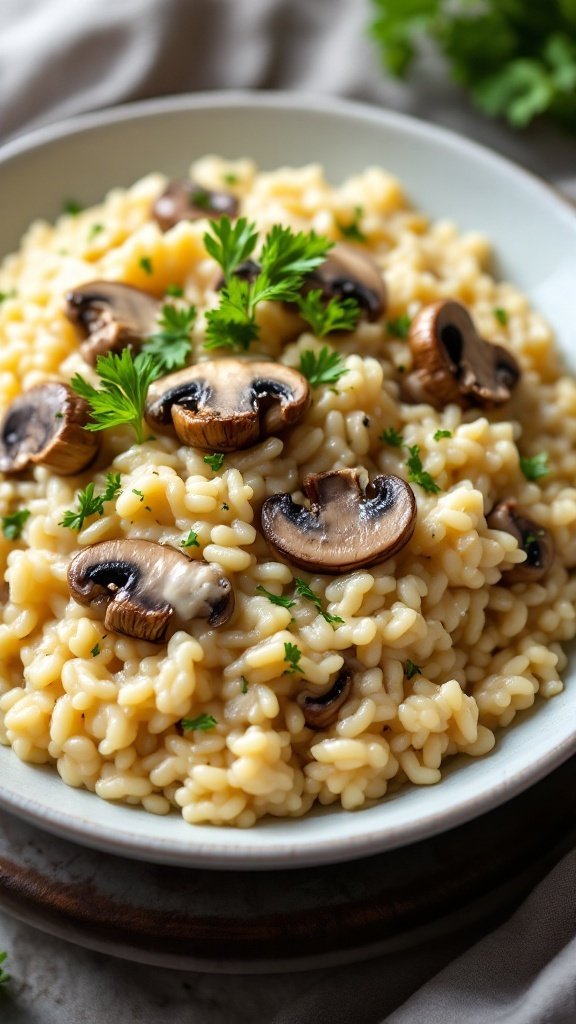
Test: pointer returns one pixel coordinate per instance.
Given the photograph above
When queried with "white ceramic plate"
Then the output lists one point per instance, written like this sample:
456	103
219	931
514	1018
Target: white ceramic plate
534	238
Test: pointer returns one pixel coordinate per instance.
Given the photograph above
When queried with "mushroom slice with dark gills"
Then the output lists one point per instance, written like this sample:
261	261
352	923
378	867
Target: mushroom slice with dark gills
350	273
452	363
45	426
321	710
147	590
227	404
532	538
344	528
186	200
112	316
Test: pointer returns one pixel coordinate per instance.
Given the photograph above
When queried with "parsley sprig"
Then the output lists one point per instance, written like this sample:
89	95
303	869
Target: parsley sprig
292	655
535	466
392	437
325	317
90	504
303	590
203	723
325	368
278	599
417	474
13	524
121	399
171	345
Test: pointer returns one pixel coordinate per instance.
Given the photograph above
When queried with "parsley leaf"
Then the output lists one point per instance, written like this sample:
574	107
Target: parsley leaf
191	540
392	437
13	524
245	684
95	230
411	670
230	243
171	345
4	977
325	368
292	655
146	264
175	291
230	178
400	326
284	602
439	434
501	315
203	722
325	317
352	231
535	466
418	475
122	398
90	504
303	590
95	650
72	207
7	295
215	461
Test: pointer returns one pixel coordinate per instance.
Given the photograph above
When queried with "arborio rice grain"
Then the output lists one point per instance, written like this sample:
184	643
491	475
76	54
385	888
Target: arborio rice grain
442	651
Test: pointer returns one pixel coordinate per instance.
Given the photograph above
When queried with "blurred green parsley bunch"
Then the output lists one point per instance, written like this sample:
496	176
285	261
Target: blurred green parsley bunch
517	58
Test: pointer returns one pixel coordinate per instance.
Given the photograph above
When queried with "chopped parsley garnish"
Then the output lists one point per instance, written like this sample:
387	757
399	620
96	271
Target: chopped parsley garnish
146	264
13	524
191	541
171	345
501	315
535	466
215	461
72	207
292	655
400	326
325	317
303	590
95	230
418	475
392	437
138	493
439	434
90	504
7	295
283	602
230	178
175	291
325	368
121	399
203	722
95	650
4	977
201	198
245	684
352	231
284	261
411	670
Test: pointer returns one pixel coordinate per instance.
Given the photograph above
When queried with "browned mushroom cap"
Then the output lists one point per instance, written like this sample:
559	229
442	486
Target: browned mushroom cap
343	529
45	426
350	273
185	200
146	590
452	363
321	711
227	404
112	316
532	538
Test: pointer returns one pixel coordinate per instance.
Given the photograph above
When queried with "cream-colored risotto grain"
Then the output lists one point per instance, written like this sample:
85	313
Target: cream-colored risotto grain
435	648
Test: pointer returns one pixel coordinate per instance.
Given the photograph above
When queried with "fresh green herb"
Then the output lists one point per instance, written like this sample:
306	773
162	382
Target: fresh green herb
191	540
439	434
4	977
303	590
90	504
284	261
284	602
203	722
535	466
230	178
400	326
325	368
72	207
13	524
201	198
418	475
245	684
325	317
58	415
95	650
530	538
518	60
292	655
215	461
175	291
146	264
95	230
7	295
501	315
138	493
122	398
352	231
171	345
392	437
411	670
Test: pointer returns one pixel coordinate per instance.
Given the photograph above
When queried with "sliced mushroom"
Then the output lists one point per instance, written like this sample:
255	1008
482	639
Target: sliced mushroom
45	426
227	404
532	538
185	200
350	273
147	590
452	363
344	528
112	316
320	711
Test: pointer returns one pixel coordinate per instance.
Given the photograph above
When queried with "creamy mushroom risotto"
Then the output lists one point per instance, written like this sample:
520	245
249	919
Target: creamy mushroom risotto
287	495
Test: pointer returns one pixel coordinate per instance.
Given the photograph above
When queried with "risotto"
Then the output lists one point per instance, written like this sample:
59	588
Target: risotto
335	553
